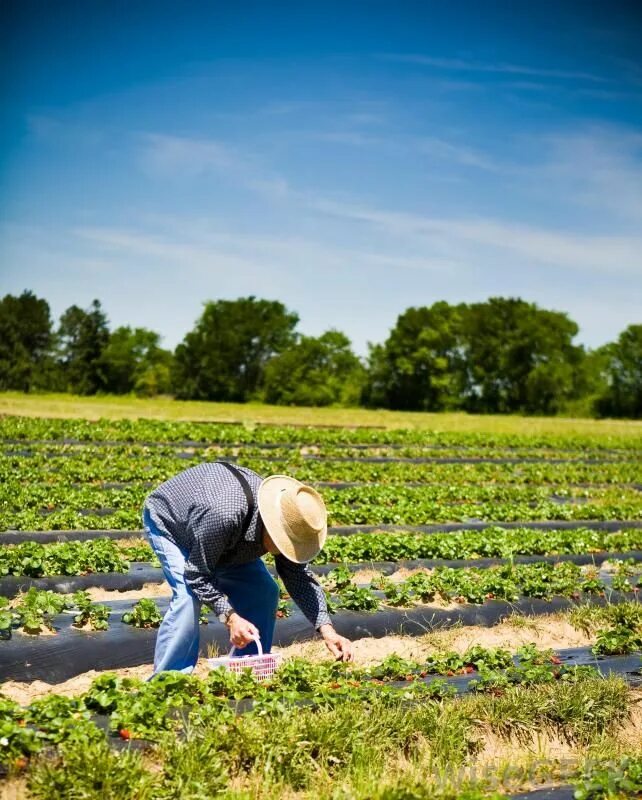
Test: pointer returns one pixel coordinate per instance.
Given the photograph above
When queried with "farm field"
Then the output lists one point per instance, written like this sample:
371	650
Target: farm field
488	572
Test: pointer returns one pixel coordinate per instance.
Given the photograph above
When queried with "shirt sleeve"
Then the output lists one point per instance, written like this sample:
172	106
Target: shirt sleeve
211	533
304	589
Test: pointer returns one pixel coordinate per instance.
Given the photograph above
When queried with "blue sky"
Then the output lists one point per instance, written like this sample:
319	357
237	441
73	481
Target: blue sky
349	159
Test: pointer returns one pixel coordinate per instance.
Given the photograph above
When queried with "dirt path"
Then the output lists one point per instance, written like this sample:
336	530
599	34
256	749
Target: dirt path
551	631
150	590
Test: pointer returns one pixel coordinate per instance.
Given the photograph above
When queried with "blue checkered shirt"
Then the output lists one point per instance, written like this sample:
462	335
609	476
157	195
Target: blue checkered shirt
201	510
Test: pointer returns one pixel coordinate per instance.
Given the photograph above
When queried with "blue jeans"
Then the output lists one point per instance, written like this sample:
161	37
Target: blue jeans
250	588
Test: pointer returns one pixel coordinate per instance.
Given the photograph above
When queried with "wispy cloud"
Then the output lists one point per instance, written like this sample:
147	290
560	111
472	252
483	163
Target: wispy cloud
501	68
182	156
434	147
532	245
453	151
194	243
598	168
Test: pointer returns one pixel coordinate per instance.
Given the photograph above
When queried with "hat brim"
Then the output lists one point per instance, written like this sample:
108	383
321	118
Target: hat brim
269	509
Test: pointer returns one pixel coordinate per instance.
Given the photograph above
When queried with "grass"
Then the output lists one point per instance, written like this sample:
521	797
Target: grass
312	752
128	407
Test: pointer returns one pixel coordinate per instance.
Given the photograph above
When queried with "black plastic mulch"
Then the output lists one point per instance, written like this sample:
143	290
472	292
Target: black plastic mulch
143	573
16	537
71	652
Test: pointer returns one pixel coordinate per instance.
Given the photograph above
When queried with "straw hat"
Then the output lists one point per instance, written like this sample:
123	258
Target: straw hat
295	517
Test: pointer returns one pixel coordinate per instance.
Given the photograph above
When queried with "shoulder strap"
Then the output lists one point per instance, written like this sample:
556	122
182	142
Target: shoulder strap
249	494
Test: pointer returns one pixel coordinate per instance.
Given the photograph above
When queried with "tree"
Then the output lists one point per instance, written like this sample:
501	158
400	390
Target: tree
315	372
133	361
623	369
25	342
519	358
420	366
224	357
82	337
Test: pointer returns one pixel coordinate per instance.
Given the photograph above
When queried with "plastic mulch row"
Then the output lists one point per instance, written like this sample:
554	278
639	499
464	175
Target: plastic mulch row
16	537
140	574
26	453
565	792
70	652
198	444
339	485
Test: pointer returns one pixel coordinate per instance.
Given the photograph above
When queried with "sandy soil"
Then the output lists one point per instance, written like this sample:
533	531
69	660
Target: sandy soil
15	789
130	542
500	754
150	590
365	576
632	735
550	631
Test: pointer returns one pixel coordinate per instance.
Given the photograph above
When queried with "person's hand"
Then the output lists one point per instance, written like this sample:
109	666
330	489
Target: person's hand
339	646
242	632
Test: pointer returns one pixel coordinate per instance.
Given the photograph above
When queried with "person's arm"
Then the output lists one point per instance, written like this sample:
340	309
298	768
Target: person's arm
211	534
304	589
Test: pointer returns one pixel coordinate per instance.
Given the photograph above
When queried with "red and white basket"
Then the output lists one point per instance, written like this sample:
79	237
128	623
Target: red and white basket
263	665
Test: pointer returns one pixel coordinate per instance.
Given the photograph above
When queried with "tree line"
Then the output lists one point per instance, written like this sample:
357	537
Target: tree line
503	355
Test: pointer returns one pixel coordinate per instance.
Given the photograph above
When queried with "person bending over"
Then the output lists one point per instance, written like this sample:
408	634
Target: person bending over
209	526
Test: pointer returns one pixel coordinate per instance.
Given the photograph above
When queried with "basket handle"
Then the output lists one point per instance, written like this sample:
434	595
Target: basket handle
259	647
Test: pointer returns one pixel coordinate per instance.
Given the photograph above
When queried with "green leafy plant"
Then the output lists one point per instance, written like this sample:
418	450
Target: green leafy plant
615	780
355	598
92	615
617	640
145	614
6	618
34	610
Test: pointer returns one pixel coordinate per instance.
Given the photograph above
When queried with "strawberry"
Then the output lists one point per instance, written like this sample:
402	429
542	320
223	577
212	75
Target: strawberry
124	733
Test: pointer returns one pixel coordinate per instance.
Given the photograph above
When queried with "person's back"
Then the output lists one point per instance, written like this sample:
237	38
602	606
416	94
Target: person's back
211	486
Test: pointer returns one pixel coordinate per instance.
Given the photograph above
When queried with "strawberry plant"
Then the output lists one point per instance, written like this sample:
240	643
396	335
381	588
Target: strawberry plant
6	619
355	598
92	615
34	610
107	691
615	780
54	714
398	594
617	640
145	614
338	578
16	743
64	558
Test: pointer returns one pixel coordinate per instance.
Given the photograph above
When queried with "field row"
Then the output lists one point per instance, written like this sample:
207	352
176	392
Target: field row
35	560
298	454
383	730
443	597
32	612
345	717
38	429
35	509
108	466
